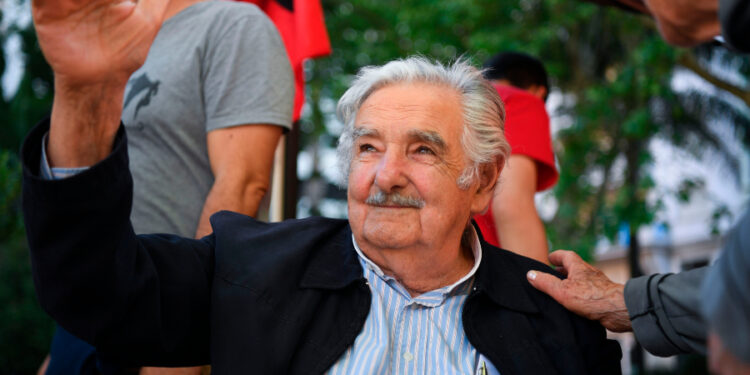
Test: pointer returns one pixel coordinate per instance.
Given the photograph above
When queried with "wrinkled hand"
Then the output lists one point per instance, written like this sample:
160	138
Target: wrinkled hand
93	46
95	41
586	291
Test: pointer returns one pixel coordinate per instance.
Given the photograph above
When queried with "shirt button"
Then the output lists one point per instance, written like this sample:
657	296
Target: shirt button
408	356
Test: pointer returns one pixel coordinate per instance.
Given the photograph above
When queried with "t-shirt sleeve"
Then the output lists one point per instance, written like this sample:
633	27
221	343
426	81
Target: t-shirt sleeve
247	76
528	133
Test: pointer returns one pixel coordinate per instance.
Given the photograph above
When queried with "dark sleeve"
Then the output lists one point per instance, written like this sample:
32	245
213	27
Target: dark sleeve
664	311
734	16
601	356
726	292
138	299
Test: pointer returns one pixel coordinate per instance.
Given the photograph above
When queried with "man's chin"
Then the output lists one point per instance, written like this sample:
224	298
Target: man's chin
391	234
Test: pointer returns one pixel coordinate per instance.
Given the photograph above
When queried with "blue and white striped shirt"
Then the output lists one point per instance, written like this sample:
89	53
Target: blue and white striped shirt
421	335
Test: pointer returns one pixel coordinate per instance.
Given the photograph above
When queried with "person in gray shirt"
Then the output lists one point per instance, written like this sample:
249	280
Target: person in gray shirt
207	109
204	114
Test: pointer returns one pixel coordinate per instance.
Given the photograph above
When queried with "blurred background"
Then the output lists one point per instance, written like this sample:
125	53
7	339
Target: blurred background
651	140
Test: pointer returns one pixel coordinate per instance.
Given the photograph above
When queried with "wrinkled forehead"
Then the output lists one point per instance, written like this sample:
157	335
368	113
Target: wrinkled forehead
412	96
421	109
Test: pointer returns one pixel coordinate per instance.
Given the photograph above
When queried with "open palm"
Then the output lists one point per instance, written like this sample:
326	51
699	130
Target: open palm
95	41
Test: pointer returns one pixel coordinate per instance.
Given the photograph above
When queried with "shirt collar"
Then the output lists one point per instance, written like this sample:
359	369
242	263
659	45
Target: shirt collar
476	249
336	264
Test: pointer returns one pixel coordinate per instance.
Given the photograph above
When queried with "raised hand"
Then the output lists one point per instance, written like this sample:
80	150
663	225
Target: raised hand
586	291
93	46
95	41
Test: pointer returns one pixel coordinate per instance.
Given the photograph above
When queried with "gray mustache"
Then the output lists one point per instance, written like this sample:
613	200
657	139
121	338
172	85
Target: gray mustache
380	198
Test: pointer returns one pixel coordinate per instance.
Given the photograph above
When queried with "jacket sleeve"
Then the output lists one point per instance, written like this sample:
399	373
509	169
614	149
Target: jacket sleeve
140	300
726	292
664	311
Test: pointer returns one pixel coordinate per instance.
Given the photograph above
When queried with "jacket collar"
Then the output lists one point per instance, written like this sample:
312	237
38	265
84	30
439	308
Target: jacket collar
335	265
503	281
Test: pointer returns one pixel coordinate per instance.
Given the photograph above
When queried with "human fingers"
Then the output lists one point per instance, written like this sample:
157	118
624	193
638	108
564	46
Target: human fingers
546	283
564	260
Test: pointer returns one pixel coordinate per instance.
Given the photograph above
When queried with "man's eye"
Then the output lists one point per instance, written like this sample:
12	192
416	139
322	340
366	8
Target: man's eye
425	150
366	147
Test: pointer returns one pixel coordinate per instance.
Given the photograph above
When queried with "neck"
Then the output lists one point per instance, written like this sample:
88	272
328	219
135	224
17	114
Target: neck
421	269
176	6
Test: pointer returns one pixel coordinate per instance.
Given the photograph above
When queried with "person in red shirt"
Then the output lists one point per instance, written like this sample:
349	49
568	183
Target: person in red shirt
512	220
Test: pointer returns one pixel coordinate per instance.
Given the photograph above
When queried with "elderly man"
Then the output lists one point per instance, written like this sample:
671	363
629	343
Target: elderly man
404	286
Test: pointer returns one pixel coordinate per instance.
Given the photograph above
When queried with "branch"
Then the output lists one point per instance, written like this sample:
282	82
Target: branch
688	61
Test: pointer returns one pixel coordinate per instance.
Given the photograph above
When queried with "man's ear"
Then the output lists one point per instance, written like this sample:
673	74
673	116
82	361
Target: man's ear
489	173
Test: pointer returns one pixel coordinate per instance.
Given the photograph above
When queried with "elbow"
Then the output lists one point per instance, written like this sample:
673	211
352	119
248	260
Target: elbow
256	190
251	193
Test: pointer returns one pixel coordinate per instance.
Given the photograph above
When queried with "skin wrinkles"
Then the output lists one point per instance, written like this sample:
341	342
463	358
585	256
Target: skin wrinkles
406	210
364	135
429	137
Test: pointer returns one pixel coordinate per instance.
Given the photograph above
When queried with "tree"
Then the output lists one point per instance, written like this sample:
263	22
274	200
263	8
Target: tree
25	331
613	65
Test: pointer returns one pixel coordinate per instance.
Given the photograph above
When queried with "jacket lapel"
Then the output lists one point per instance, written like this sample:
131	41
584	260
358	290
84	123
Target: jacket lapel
333	266
497	317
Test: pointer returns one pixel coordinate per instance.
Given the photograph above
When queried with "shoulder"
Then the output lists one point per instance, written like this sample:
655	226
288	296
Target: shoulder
513	268
515	264
223	16
245	245
233	226
515	96
505	274
570	341
231	9
567	336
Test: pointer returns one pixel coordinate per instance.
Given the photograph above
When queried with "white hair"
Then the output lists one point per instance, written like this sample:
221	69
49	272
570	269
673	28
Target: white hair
483	139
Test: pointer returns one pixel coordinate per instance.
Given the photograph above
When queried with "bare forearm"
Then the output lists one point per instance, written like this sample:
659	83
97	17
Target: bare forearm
244	199
84	121
522	232
516	221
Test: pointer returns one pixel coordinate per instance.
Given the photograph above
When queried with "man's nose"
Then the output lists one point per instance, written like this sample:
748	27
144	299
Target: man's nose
390	174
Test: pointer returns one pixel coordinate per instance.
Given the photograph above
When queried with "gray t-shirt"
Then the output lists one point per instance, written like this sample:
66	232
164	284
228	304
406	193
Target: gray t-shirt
214	65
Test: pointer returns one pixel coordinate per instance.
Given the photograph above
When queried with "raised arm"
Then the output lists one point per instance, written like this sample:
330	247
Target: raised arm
138	300
92	46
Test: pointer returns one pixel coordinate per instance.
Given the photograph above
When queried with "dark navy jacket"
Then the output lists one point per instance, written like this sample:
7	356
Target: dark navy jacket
284	298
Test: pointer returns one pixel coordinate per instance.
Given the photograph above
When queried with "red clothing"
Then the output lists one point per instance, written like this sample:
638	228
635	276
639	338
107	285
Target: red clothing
527	131
303	30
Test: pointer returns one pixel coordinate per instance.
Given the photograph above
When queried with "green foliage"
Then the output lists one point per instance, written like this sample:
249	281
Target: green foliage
612	65
33	99
25	330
